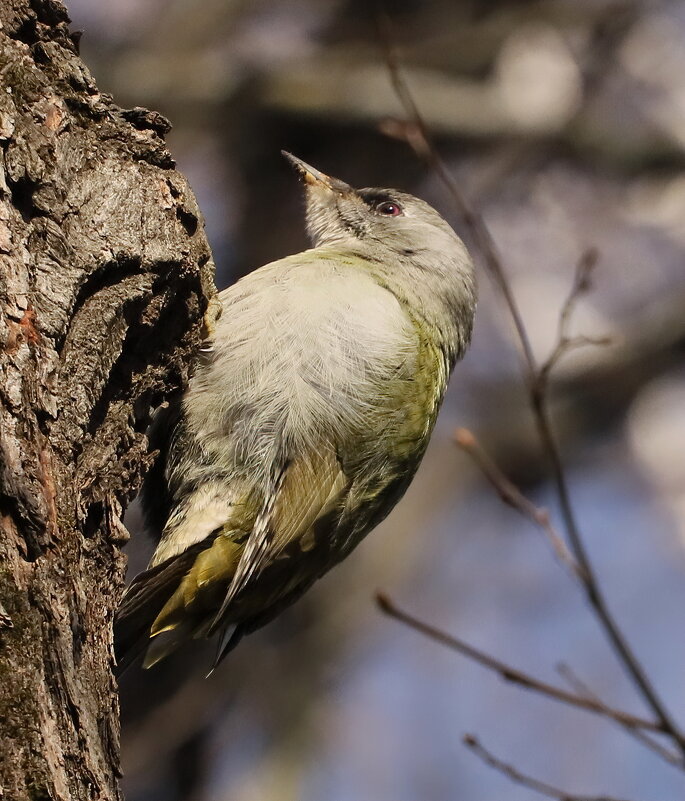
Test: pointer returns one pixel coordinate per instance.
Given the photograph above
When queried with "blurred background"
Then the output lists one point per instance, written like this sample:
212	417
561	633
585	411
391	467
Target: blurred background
563	122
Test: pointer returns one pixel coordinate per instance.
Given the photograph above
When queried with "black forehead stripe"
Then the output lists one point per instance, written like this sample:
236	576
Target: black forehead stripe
372	196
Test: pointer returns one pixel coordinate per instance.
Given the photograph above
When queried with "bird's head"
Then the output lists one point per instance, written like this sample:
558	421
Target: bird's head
336	212
405	238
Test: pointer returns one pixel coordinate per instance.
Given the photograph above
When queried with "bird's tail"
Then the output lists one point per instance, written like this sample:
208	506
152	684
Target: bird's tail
143	601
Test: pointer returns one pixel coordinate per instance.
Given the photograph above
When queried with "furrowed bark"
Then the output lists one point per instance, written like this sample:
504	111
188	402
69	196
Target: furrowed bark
105	283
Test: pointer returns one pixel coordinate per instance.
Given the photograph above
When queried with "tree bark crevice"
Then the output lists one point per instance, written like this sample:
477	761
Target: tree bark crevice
106	288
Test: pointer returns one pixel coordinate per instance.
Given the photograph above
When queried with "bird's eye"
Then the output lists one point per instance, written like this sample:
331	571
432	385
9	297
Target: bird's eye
389	208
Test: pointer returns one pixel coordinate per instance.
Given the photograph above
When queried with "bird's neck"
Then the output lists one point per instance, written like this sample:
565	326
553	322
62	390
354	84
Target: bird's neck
437	295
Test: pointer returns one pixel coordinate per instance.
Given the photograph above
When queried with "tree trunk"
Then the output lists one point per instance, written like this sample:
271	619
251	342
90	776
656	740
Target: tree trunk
105	279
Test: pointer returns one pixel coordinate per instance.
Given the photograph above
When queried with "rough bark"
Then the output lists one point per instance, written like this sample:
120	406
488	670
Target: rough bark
105	276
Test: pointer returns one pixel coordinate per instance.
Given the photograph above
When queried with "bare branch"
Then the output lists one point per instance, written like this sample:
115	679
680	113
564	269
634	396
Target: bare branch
510	494
415	132
417	136
582	284
516	776
508	673
565	343
649	742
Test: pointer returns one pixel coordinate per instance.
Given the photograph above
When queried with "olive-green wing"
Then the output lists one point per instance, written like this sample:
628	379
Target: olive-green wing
304	491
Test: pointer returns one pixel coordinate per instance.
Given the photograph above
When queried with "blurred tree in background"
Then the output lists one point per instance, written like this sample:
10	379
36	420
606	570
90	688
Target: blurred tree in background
563	123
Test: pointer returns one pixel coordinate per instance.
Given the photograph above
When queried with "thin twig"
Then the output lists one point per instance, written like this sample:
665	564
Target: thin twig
582	689
590	583
565	343
512	496
507	672
415	132
417	136
516	776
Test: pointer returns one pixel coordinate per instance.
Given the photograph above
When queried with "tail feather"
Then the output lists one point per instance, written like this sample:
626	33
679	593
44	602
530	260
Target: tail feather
166	642
143	601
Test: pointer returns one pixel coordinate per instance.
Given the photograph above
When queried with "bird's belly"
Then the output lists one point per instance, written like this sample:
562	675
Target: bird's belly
330	364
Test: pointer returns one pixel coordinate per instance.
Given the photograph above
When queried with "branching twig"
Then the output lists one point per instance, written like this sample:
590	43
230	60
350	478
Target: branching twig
417	136
515	775
649	742
512	496
565	343
509	673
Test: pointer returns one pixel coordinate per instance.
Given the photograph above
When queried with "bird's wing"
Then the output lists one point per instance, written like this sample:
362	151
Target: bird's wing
304	490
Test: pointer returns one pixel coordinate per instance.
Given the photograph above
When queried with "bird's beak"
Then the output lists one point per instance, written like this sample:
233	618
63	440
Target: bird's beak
313	177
